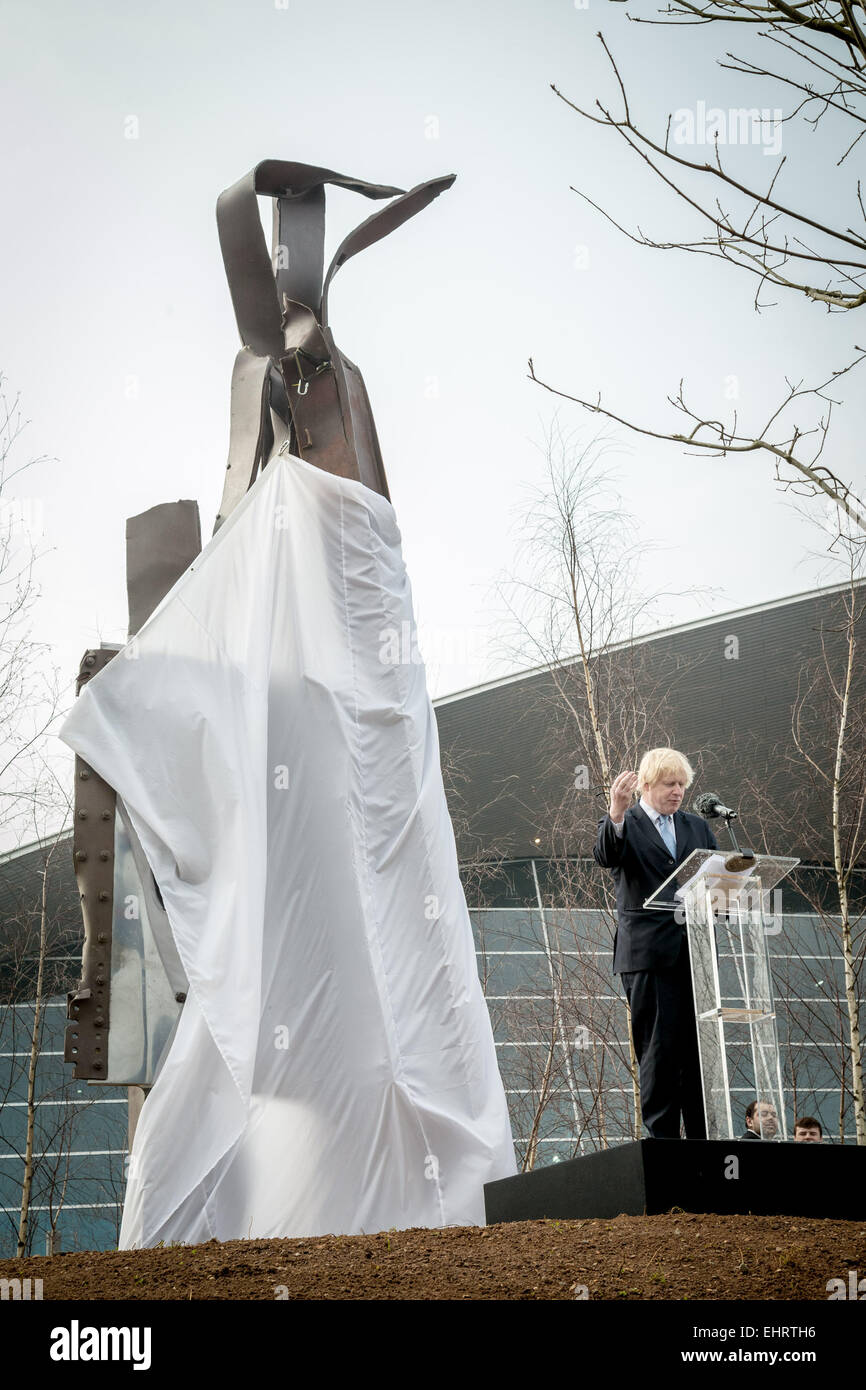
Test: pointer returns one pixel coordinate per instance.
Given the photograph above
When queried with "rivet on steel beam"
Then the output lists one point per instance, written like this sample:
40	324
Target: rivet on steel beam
106	815
102	937
81	855
84	775
90	661
180	997
104	855
82	815
97	1066
103	896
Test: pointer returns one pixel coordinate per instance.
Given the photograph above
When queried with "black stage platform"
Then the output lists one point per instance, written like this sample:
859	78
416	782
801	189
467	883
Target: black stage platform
719	1175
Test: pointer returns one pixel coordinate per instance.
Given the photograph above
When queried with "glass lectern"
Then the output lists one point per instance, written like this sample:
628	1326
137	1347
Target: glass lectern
724	900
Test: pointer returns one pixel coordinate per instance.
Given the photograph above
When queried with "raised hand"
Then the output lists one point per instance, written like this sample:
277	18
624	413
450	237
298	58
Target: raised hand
621	793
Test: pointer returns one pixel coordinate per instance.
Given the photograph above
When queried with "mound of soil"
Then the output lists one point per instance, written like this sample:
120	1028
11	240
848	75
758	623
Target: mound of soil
676	1256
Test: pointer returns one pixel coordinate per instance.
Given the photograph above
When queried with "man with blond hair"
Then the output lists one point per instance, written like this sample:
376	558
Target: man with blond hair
642	844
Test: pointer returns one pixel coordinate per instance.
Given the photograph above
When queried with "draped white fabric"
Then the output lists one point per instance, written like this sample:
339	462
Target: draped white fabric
334	1068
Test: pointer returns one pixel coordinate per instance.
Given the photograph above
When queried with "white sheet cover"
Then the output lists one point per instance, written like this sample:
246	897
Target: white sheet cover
334	1067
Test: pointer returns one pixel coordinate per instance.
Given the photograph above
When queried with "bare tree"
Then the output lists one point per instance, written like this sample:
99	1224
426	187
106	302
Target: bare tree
32	795
35	1043
30	688
824	769
482	856
34	969
576	609
784	240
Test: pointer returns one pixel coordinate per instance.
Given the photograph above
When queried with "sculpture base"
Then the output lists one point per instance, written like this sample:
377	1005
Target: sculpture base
725	1176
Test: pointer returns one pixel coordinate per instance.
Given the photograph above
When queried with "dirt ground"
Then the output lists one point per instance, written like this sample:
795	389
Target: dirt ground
672	1257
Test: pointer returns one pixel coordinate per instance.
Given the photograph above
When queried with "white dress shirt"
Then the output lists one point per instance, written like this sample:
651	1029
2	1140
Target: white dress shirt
619	825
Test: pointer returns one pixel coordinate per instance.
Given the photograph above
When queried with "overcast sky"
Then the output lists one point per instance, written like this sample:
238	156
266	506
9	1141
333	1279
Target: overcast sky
117	328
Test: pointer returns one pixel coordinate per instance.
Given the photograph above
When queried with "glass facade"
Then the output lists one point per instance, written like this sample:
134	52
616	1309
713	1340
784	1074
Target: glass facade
79	1140
559	1023
561	1031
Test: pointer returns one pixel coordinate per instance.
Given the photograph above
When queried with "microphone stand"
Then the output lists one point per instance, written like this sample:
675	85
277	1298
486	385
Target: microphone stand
746	855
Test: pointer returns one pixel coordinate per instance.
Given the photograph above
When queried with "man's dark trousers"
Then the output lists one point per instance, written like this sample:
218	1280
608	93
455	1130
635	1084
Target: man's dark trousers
651	954
666	1043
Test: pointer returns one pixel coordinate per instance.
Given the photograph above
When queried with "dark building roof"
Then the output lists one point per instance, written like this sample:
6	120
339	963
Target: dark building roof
509	748
21	873
722	690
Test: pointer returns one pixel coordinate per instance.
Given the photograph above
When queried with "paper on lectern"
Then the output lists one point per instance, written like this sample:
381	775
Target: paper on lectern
720	876
334	1068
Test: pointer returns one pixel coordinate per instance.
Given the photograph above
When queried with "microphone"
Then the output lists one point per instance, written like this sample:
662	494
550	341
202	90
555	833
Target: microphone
711	807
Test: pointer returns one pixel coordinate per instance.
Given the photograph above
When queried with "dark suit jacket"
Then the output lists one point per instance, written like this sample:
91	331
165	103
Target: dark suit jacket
641	861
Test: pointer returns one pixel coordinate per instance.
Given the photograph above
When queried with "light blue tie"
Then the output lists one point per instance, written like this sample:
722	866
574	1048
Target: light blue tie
666	830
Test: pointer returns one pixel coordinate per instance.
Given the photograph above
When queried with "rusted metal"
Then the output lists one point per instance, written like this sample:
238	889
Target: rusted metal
291	388
160	544
85	1042
290	376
